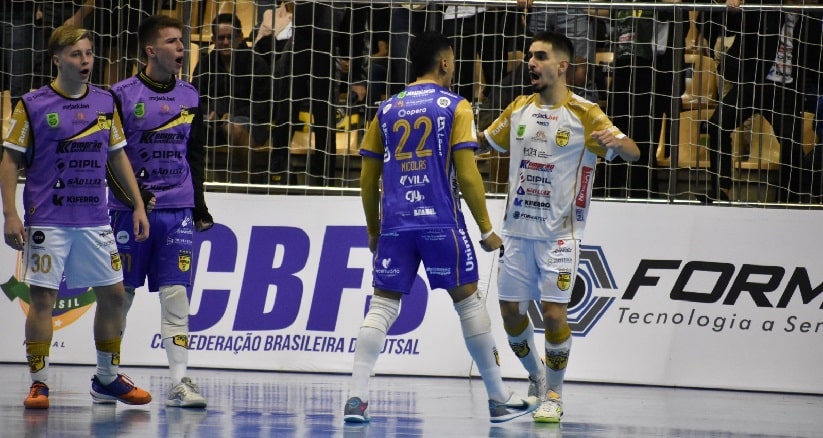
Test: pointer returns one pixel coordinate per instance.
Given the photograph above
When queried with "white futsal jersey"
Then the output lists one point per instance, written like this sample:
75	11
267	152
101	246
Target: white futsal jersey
553	158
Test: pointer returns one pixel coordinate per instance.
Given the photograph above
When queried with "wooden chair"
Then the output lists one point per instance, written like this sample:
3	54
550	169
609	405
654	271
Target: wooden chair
754	145
693	147
809	136
246	11
203	13
701	88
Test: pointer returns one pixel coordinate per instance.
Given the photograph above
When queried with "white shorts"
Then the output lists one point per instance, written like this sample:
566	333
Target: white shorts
537	270
87	256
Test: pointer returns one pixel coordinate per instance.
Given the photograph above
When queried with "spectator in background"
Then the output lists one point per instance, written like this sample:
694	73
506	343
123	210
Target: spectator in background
479	32
367	70
407	20
235	89
274	30
115	24
52	14
641	92
19	38
579	26
307	85
774	59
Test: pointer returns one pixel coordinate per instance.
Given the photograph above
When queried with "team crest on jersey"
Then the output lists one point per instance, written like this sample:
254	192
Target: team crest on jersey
184	260
562	137
139	109
186	115
564	280
103	122
53	119
116	264
521	130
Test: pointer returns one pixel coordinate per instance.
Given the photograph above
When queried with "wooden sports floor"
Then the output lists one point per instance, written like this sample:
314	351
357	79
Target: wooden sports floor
274	404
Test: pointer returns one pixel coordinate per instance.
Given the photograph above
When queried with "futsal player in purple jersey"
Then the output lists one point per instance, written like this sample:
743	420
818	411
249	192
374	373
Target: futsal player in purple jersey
164	128
64	134
422	143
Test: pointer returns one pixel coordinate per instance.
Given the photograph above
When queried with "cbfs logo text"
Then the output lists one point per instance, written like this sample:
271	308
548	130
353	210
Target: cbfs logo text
278	256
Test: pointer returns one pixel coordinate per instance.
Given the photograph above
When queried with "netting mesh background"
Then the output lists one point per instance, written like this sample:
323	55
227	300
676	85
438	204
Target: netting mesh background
722	102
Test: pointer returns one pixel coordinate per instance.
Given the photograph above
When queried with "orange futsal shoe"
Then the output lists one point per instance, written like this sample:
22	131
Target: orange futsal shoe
38	396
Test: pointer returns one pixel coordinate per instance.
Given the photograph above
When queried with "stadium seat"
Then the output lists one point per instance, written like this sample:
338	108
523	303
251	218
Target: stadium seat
754	145
809	136
194	58
245	11
701	87
692	146
603	73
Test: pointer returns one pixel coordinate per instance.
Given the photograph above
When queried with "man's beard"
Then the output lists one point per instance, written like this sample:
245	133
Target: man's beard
537	88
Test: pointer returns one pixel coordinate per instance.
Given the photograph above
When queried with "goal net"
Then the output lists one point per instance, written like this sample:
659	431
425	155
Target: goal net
722	103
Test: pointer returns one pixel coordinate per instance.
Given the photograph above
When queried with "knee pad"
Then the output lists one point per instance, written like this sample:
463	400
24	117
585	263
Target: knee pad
382	313
474	318
174	311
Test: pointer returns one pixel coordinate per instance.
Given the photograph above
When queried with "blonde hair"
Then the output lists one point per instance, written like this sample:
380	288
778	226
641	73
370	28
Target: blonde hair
67	35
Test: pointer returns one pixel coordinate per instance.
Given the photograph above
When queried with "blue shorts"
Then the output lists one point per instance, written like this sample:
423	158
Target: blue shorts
446	253
165	257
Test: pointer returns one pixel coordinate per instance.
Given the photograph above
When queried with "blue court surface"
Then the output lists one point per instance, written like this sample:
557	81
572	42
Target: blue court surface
275	404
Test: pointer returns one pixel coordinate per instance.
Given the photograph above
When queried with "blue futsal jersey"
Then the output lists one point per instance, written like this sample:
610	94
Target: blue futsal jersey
418	130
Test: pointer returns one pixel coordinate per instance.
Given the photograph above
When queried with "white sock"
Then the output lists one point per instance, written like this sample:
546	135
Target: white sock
526	350
476	326
42	375
369	343
178	356
380	317
557	354
106	371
